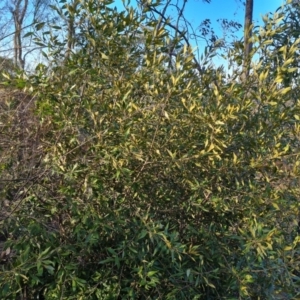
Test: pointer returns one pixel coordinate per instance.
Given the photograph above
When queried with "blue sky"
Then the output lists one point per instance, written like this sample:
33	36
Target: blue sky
234	10
231	9
197	11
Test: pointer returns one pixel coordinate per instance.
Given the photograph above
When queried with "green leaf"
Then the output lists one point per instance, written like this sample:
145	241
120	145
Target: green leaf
142	234
39	26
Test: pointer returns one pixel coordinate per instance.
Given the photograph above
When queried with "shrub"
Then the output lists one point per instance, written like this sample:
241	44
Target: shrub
155	181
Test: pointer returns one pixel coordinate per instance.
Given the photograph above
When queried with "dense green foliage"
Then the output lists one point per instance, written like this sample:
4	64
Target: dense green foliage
139	178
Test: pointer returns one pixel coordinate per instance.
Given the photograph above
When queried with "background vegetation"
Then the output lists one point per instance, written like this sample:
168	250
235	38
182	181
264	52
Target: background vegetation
129	171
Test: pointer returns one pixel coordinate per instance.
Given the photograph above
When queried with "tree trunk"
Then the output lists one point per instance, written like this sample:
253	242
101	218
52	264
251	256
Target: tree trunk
70	20
247	36
18	14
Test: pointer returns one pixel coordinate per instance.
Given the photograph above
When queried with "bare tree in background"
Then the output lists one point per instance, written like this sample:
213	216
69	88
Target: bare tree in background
18	10
22	15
